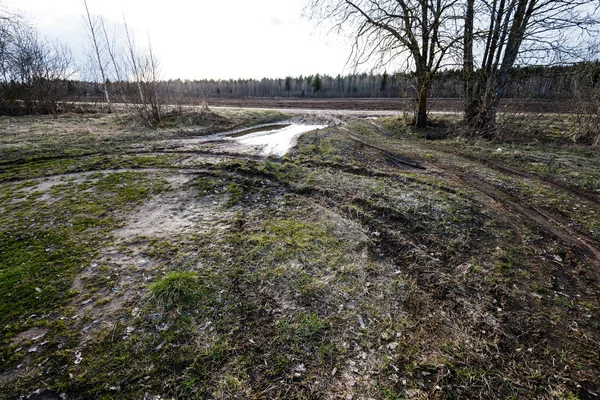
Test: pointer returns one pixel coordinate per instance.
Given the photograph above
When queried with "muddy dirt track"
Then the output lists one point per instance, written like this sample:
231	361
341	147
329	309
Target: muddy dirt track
552	224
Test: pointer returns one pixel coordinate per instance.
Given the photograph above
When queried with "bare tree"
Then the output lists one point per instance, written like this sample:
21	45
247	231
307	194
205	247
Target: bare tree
143	68
93	26
420	33
133	71
8	24
508	31
34	71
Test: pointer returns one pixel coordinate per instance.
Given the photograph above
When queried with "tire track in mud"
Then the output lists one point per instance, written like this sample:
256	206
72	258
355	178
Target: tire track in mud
402	161
178	170
181	170
586	248
565	187
572	190
550	224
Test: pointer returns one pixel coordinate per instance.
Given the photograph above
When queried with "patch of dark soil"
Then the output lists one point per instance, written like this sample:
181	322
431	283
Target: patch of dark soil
391	104
46	395
265	128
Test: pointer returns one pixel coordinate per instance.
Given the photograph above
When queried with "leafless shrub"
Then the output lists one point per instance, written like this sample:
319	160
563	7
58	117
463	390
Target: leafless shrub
573	118
586	95
133	71
34	70
528	126
179	95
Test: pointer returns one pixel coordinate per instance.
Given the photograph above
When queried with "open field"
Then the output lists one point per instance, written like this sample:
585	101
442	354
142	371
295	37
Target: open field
454	105
368	263
390	104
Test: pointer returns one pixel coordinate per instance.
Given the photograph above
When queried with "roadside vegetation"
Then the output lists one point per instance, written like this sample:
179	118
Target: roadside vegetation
370	262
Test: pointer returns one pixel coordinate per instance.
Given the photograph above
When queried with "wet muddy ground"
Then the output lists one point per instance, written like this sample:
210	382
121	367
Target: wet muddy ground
368	262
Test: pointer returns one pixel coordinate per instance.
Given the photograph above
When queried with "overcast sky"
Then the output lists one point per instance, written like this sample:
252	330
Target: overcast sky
217	39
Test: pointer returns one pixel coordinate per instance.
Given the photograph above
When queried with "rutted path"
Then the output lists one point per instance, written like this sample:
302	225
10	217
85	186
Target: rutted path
575	191
586	247
550	223
206	157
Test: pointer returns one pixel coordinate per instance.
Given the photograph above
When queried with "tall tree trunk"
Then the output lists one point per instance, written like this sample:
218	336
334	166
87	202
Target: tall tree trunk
483	109
92	26
421	119
468	70
487	113
421	100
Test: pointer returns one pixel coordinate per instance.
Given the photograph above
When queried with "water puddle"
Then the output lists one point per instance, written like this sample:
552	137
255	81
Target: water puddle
274	139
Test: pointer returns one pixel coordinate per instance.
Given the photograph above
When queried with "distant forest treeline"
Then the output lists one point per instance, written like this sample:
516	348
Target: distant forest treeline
556	82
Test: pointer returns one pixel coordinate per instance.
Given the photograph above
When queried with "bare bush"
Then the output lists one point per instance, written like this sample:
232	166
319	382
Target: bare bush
133	71
35	71
586	95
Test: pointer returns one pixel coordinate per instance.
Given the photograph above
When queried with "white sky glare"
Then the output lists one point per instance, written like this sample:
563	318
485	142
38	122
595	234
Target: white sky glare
204	39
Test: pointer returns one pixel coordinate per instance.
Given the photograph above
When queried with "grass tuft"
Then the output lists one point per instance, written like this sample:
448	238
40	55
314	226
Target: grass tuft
176	289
